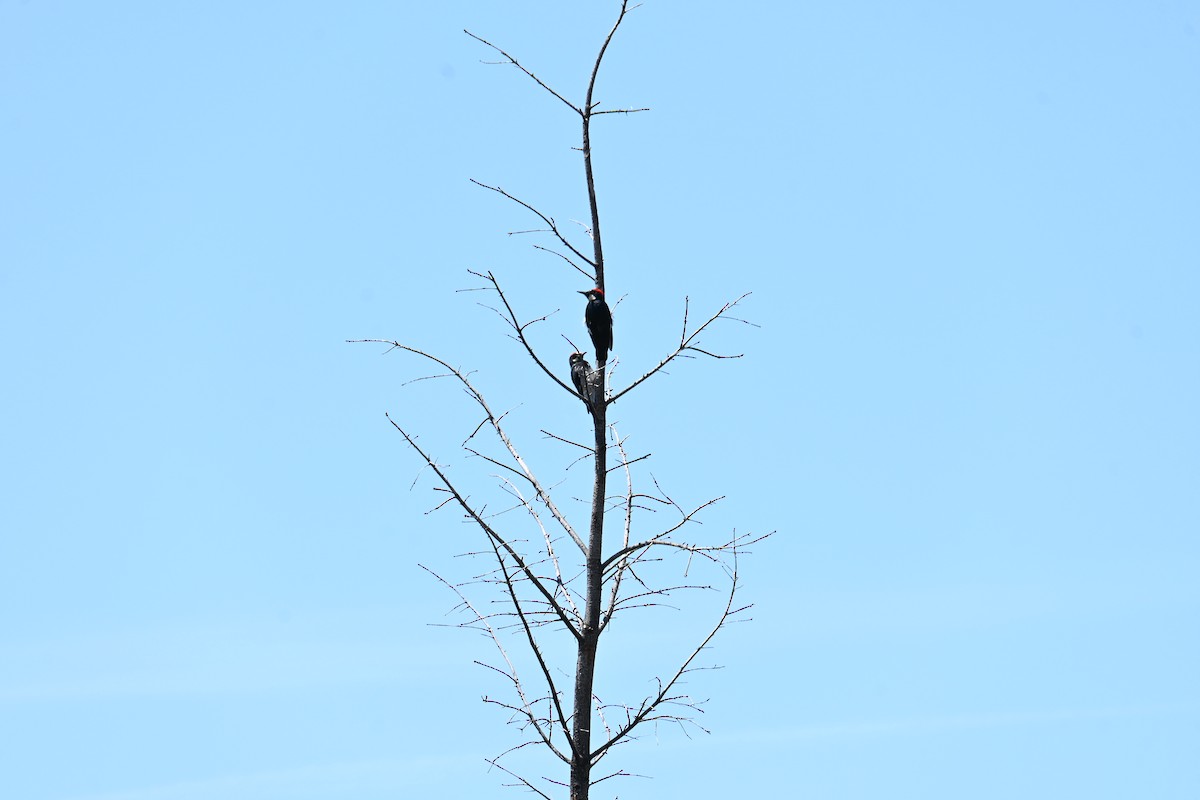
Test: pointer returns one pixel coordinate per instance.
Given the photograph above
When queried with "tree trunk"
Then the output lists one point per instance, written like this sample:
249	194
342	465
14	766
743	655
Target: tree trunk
585	668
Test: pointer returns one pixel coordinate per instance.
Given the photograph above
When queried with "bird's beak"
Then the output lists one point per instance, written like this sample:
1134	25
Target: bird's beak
583	292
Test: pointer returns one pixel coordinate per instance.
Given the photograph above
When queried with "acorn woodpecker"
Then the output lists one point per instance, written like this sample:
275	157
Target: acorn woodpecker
598	319
581	376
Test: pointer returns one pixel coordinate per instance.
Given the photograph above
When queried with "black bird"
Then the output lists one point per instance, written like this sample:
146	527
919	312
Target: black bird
581	376
598	319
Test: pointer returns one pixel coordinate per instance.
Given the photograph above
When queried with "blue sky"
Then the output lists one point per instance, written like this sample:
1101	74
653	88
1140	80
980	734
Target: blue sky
969	413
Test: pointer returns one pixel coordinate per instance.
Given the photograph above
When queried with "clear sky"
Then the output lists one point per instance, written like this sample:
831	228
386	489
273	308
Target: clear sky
972	234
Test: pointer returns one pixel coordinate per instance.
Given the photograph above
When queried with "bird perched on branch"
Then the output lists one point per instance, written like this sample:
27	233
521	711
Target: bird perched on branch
598	319
581	376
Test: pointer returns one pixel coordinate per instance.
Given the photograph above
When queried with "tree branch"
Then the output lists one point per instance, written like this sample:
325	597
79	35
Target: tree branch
519	330
646	711
586	147
526	708
494	421
615	591
486	528
518	65
550	552
580	269
619	111
495	762
686	343
588	105
537	652
548	220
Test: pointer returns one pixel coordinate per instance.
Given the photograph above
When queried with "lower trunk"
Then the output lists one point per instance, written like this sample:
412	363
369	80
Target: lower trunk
585	666
581	760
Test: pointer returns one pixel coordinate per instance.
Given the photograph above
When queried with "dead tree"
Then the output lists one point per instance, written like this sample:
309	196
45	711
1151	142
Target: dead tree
568	583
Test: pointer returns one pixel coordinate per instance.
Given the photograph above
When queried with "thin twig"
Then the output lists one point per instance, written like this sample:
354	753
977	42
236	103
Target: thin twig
581	270
495	762
549	221
477	517
494	421
537	652
526	708
650	705
519	329
518	65
686	344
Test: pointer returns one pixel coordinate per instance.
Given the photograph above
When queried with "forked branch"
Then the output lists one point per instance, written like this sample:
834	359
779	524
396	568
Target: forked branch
495	762
518	328
687	342
494	422
649	709
556	699
588	104
491	533
526	707
614	597
548	220
510	60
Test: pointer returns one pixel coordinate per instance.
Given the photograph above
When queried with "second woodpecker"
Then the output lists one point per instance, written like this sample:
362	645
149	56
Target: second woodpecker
581	376
598	319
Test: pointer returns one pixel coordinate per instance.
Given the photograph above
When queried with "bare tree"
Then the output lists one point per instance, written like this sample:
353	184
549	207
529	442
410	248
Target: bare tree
562	581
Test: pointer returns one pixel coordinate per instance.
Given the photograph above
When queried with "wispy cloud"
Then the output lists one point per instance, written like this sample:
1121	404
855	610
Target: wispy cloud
916	726
211	659
377	777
